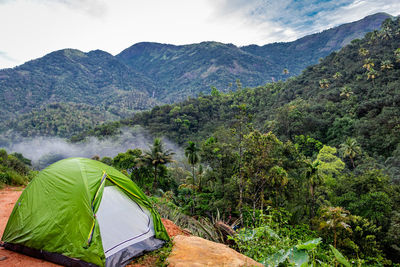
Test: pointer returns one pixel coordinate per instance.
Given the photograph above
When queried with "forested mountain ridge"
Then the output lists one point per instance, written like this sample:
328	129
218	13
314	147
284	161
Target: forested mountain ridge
297	55
187	70
94	78
147	74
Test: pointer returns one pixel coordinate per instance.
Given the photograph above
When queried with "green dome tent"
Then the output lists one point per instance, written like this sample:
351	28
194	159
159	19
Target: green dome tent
81	212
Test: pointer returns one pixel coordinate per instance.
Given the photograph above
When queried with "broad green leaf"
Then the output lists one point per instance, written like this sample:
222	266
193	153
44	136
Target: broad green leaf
277	258
309	245
339	257
298	257
250	234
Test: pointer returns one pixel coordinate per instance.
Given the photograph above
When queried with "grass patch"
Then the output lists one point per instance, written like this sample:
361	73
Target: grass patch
156	258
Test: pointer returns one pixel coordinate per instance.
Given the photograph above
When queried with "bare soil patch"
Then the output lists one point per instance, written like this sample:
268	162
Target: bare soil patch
8	197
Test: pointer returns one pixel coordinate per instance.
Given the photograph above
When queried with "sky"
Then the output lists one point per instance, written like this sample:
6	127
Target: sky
30	29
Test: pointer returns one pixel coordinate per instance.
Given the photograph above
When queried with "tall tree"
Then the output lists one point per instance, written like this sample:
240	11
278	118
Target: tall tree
278	178
314	179
329	164
285	71
386	65
155	157
240	126
260	156
350	149
335	218
192	154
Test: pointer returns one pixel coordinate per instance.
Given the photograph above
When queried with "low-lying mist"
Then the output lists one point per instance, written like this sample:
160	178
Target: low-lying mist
46	150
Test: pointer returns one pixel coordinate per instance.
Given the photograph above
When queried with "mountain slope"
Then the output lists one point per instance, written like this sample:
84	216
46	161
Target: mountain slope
187	70
306	51
190	69
68	75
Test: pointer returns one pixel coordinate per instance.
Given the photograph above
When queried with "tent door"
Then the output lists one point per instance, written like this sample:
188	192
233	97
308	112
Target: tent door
122	221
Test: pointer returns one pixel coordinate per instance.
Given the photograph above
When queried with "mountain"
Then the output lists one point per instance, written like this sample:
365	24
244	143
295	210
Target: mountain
95	78
188	70
148	74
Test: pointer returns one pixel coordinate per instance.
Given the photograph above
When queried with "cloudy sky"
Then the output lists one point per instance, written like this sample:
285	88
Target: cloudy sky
32	28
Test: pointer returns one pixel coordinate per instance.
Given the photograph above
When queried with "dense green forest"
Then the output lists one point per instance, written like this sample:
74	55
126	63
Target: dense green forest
290	162
58	119
148	74
307	171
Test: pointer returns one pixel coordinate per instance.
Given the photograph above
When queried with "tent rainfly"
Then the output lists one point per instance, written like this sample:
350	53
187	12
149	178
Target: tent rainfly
81	212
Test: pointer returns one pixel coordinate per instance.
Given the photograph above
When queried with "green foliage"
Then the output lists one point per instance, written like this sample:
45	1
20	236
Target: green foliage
329	164
273	241
307	145
246	170
350	149
202	227
335	220
366	195
339	257
156	158
60	119
191	152
14	169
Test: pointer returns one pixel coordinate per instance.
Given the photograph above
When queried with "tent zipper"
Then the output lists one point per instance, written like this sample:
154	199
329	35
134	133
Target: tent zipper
90	237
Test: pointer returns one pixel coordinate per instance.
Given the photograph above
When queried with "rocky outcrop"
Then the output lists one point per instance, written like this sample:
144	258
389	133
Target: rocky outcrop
196	251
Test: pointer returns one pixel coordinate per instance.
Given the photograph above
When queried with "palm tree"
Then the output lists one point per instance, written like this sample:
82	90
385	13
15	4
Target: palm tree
155	157
334	218
337	75
285	71
372	74
363	52
191	152
324	83
313	178
350	149
386	65
386	30
368	64
346	91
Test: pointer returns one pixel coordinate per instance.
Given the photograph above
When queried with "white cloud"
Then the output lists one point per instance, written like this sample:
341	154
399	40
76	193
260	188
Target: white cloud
96	8
5	57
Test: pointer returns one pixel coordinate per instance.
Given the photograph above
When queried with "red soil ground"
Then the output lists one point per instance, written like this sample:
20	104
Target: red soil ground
8	197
